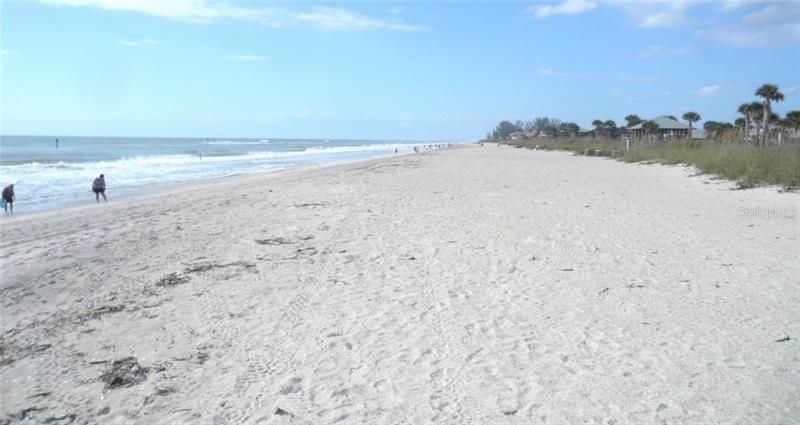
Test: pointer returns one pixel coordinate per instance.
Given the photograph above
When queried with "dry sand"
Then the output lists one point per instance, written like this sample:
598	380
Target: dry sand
469	285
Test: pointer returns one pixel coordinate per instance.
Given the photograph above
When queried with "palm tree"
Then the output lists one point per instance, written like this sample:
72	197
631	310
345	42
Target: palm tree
770	93
756	114
691	117
751	112
793	120
744	109
632	120
649	127
571	129
775	125
598	125
741	125
610	127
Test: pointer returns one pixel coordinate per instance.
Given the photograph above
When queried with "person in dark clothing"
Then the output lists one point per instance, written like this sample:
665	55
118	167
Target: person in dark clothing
99	188
9	198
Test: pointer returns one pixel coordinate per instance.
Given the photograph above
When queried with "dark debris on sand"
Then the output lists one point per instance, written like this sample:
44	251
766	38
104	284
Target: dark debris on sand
281	412
176	278
106	309
124	373
172	279
200	268
310	205
273	241
23	414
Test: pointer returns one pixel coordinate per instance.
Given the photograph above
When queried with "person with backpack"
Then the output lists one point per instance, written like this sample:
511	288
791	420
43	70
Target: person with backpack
99	188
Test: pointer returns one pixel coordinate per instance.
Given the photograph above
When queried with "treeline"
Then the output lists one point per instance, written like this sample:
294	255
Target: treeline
551	127
758	124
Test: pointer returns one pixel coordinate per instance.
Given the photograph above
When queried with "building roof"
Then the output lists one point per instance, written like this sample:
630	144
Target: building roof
664	123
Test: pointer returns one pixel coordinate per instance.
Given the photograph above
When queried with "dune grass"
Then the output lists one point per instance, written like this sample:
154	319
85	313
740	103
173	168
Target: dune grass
745	164
577	145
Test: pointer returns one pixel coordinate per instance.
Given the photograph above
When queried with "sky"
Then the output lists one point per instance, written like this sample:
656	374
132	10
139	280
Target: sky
382	69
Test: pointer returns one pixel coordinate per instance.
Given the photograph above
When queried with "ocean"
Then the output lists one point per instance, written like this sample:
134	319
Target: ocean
47	178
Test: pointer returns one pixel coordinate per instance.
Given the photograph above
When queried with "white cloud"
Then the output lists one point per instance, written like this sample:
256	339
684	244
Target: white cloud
248	58
185	10
137	43
396	10
646	14
712	90
4	52
773	13
772	23
758	36
657	14
202	11
662	20
568	7
544	71
728	5
332	18
663	52
665	93
765	22
791	89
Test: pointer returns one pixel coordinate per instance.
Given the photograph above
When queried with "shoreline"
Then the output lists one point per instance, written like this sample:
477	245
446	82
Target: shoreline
470	285
46	181
131	197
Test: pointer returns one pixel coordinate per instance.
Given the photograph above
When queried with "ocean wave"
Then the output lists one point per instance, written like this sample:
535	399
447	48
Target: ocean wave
45	184
239	142
138	162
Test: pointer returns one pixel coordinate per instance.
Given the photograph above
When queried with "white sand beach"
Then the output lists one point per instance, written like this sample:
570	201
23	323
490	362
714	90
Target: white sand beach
469	286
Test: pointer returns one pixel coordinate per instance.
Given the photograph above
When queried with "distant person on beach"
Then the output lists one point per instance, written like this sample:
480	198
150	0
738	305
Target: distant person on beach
56	143
9	198
99	188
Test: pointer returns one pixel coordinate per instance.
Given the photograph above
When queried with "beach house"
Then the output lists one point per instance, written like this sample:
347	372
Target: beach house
668	128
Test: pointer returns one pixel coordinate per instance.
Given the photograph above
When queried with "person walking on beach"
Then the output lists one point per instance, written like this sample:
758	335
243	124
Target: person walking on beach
99	188
9	198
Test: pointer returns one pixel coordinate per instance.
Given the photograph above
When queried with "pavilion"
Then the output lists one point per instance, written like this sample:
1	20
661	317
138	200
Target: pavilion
668	128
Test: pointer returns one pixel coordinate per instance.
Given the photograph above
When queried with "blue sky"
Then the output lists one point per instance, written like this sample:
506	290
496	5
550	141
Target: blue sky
382	70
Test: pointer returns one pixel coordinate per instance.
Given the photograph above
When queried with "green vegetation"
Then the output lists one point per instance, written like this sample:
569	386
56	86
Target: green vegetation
759	148
746	164
770	93
632	120
578	146
691	117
